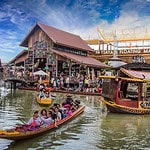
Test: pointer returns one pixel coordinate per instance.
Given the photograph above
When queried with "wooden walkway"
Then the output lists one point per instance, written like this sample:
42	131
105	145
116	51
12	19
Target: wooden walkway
15	79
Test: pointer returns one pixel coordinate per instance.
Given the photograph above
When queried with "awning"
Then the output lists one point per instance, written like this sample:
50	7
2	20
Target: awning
40	73
136	74
85	60
123	78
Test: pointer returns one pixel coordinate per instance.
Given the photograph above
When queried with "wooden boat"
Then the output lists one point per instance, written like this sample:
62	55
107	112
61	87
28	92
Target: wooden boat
62	91
15	135
76	92
44	101
129	92
28	88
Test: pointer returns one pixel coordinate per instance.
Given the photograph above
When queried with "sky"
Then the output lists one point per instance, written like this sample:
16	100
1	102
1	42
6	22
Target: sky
82	18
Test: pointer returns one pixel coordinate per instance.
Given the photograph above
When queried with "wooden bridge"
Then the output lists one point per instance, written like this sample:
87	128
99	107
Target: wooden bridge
15	80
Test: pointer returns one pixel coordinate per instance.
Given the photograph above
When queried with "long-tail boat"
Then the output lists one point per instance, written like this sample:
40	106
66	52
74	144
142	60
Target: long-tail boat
77	92
128	92
14	134
63	91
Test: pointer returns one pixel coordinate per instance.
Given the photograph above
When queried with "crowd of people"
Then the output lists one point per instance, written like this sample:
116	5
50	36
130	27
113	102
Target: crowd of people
77	84
45	118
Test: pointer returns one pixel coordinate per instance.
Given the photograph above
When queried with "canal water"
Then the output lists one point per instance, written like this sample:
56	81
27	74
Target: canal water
95	129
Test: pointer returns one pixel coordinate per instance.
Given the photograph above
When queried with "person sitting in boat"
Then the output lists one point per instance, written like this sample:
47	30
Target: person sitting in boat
64	113
42	94
68	99
58	114
68	111
54	115
62	110
47	121
75	105
43	113
47	95
35	121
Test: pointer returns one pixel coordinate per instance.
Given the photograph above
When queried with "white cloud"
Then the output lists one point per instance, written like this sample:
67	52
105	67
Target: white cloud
80	19
9	45
130	23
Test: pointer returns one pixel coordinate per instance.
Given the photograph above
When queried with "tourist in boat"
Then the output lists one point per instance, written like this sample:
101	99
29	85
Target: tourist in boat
47	94
68	99
35	120
68	111
43	113
47	121
75	105
53	115
58	114
63	113
42	94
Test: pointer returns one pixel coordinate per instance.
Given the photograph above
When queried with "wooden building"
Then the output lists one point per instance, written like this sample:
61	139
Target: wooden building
19	60
57	51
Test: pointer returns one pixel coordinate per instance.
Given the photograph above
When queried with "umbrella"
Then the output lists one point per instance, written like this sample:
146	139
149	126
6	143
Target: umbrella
40	73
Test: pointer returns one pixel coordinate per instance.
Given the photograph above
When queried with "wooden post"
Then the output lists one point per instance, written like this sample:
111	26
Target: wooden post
33	62
70	65
117	91
24	65
139	95
92	73
56	65
88	72
11	85
14	85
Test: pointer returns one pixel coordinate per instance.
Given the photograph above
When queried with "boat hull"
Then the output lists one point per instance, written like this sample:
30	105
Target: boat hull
44	101
62	91
28	88
31	134
79	93
115	108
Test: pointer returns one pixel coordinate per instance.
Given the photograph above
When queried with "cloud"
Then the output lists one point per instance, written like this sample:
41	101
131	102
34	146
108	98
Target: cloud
129	24
78	17
9	45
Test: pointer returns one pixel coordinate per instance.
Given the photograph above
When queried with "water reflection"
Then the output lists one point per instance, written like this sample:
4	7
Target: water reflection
3	92
125	132
94	129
